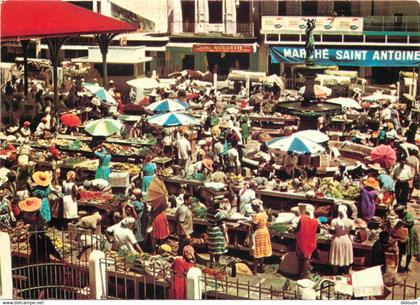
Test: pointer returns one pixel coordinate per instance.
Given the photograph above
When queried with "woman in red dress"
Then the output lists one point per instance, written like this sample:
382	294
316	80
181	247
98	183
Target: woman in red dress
306	240
160	230
180	268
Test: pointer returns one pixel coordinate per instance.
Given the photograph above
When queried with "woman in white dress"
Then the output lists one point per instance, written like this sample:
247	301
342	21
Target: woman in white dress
70	194
341	252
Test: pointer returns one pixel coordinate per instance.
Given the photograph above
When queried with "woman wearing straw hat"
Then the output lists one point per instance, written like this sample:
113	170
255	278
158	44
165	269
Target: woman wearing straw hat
42	189
368	198
70	194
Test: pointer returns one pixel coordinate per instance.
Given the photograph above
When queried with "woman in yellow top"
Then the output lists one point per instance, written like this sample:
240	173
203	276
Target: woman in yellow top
261	238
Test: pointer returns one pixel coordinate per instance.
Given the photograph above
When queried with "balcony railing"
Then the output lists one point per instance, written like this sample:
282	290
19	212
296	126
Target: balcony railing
245	29
392	24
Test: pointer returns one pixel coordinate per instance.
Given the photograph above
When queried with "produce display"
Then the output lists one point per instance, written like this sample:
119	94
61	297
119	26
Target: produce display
94	196
323	187
76	145
161	160
167	172
126	150
339	190
132	169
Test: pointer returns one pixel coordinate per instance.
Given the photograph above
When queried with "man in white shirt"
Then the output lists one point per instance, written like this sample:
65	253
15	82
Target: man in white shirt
184	150
386	114
233	159
402	174
123	235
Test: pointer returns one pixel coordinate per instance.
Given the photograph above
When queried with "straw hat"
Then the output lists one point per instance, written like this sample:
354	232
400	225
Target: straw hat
208	163
166	248
225	124
375	166
71	175
371	182
42	178
30	204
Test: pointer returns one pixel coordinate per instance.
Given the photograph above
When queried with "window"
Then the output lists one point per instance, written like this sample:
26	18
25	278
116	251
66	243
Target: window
215	12
243	13
309	8
281	8
188	11
342	8
116	69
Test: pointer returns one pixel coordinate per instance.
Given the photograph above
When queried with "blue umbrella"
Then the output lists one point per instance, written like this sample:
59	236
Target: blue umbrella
167	105
100	93
387	182
172	119
295	144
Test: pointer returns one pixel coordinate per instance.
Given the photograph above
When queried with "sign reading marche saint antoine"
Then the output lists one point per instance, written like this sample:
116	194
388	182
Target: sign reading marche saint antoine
348	57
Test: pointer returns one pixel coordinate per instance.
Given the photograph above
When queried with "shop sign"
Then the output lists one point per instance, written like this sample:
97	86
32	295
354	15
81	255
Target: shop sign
210	27
216	48
348	57
297	25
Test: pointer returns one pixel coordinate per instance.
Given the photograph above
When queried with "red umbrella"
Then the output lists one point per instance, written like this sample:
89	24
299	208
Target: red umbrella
384	155
70	120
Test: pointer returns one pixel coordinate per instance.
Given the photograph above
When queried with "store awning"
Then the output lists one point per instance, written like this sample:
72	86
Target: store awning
116	55
25	19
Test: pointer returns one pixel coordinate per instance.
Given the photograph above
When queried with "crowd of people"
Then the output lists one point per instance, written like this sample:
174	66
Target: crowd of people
39	194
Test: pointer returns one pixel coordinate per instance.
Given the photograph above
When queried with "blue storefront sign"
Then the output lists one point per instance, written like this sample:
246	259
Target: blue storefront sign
348	57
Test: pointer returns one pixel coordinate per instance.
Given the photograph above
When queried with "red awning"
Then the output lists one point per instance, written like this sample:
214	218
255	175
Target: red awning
26	19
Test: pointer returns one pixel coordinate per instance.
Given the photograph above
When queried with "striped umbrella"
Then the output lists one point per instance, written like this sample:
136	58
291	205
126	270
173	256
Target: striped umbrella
167	105
100	93
172	119
103	127
295	144
312	135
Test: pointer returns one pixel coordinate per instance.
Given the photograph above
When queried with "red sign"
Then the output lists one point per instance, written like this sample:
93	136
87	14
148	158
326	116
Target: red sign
216	48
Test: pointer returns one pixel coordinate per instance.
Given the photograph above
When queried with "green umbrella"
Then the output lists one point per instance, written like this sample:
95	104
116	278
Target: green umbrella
103	127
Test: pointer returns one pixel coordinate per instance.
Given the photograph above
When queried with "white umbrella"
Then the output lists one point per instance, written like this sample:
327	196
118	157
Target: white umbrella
312	135
380	97
144	82
345	102
320	91
295	144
